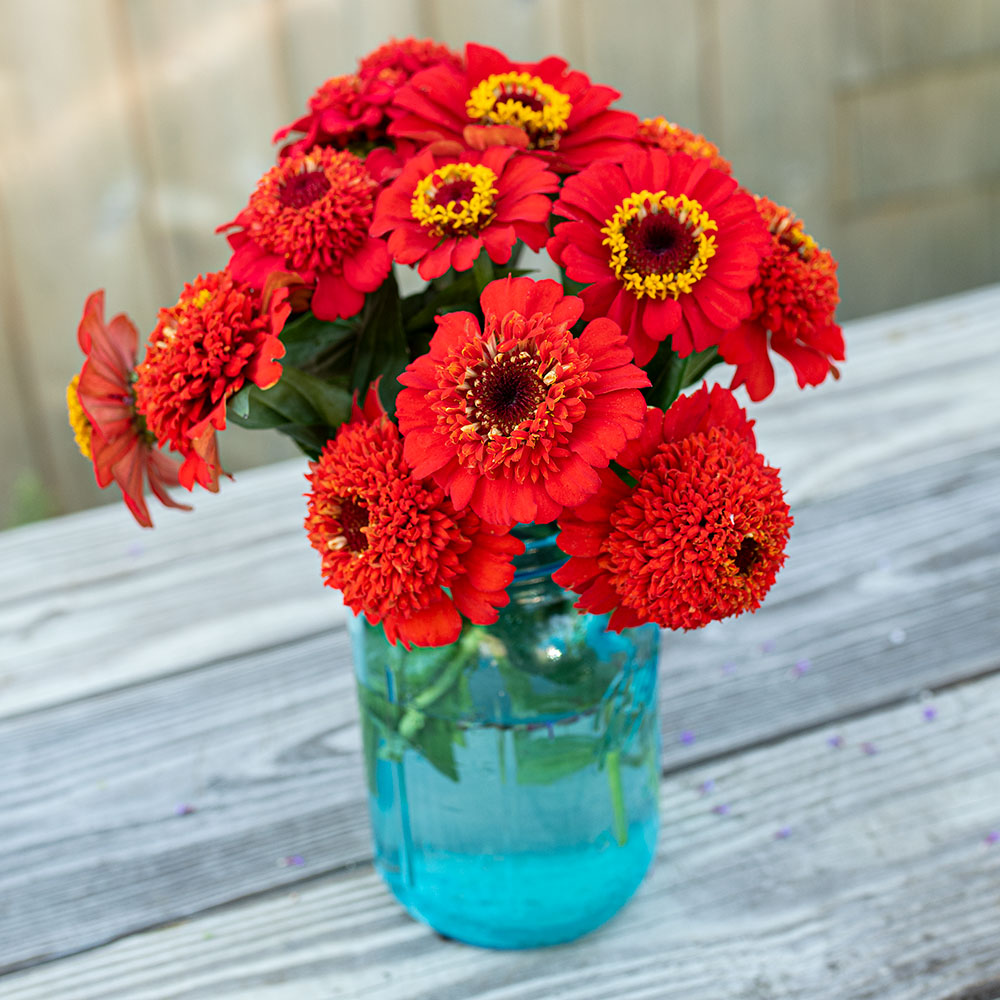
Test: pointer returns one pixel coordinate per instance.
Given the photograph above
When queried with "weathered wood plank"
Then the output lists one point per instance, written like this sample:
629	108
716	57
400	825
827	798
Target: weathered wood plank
265	745
201	165
786	155
91	602
524	30
70	204
324	38
835	873
625	50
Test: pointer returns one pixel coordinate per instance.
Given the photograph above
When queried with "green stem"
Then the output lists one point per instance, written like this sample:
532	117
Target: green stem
502	754
413	718
697	364
613	765
624	475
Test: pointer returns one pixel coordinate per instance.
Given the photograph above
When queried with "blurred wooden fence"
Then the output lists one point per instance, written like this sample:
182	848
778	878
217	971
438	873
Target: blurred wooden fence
131	128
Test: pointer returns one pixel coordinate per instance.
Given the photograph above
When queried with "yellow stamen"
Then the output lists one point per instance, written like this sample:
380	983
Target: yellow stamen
467	215
500	100
789	231
82	430
685	210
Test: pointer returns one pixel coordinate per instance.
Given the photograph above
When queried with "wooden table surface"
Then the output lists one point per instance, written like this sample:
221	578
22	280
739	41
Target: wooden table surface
181	790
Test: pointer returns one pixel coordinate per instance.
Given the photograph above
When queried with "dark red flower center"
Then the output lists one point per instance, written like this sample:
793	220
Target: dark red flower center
301	190
458	191
659	244
353	517
503	392
747	556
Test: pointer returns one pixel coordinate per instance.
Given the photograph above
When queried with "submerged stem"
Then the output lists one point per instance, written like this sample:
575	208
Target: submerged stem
613	765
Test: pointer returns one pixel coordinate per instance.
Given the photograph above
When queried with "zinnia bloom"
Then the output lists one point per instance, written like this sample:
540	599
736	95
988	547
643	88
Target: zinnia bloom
394	543
217	337
398	60
793	305
514	418
345	109
356	107
699	536
543	106
676	139
442	210
668	246
102	412
311	214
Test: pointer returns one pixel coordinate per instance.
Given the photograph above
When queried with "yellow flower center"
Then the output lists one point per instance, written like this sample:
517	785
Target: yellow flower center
78	421
660	244
455	199
522	100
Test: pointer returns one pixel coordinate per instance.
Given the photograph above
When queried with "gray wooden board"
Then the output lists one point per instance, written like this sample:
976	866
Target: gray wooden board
265	745
883	886
202	663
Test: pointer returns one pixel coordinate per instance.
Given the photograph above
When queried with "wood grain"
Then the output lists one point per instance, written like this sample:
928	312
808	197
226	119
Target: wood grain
137	677
883	886
265	744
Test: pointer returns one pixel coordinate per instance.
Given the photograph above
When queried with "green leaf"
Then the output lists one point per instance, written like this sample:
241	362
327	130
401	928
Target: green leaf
541	760
369	746
698	364
421	309
381	348
306	408
310	341
329	402
483	271
435	742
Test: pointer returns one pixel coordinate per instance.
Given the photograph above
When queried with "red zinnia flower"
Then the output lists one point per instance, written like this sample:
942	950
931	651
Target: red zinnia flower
793	305
394	543
514	418
677	139
343	110
442	210
356	107
103	415
543	106
216	338
311	214
700	536
405	58
668	246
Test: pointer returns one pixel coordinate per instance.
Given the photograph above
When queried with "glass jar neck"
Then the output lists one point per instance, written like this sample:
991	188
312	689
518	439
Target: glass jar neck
542	556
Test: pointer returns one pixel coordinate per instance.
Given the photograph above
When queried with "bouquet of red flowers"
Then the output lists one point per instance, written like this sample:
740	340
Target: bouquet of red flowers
441	420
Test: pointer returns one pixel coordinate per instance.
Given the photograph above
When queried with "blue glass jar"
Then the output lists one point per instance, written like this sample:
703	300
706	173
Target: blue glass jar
513	776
